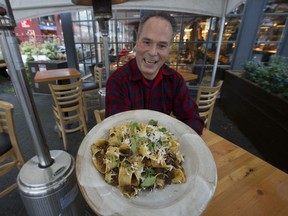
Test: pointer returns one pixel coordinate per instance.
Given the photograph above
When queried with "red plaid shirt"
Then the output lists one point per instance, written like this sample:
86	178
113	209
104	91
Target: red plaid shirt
127	90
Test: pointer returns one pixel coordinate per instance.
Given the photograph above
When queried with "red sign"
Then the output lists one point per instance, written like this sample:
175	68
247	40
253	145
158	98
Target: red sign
26	24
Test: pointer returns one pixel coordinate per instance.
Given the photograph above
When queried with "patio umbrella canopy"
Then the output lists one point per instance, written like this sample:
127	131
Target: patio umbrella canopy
26	9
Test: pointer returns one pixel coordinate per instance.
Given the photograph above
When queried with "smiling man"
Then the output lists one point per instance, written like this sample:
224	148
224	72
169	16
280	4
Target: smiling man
146	82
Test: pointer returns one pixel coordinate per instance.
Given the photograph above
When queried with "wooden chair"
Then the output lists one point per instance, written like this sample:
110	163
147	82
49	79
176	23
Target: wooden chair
68	109
90	86
99	115
206	98
10	154
98	72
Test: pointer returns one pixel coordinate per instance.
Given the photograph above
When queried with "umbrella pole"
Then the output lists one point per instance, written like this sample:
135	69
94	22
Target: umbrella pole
219	44
47	182
16	70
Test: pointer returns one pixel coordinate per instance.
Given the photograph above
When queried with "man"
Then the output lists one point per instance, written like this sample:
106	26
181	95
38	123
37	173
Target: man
146	82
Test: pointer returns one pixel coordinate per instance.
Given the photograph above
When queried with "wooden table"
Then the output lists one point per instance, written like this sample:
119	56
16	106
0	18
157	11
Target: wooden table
186	73
247	185
188	76
60	75
57	74
3	65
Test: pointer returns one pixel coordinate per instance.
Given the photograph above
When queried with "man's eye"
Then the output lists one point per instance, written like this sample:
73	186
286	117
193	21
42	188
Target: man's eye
162	46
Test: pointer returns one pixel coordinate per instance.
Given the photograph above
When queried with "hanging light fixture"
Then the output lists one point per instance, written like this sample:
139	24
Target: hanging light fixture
102	8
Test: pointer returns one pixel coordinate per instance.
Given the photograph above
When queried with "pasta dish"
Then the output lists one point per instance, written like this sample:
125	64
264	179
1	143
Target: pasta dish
138	156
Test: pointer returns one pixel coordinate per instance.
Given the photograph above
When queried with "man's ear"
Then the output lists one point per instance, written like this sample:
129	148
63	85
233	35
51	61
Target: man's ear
135	47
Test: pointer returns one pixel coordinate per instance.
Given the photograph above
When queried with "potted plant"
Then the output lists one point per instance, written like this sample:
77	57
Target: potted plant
272	77
42	56
256	99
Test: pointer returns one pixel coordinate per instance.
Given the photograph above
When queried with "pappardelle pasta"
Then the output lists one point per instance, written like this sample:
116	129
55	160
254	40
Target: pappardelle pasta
138	156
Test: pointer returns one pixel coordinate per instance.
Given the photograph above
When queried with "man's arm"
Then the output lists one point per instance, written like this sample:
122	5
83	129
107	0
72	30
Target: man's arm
116	99
186	110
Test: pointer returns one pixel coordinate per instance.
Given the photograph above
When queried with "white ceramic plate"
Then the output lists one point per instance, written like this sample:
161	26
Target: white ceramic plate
190	198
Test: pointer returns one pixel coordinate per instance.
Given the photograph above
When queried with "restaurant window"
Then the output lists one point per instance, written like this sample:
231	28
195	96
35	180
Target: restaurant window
85	45
195	44
231	29
193	48
271	30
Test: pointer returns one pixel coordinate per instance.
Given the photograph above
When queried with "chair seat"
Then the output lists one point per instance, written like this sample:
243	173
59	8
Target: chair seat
86	86
5	143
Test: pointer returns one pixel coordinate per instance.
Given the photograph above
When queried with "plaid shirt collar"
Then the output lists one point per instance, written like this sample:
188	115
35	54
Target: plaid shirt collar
136	74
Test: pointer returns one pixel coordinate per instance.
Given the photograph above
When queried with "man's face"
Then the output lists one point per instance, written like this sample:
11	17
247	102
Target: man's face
152	46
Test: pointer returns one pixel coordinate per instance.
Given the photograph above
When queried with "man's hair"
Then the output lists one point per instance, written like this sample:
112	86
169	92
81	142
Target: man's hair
163	15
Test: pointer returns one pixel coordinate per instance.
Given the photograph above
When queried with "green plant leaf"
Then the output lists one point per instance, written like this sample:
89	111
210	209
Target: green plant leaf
153	122
272	77
149	181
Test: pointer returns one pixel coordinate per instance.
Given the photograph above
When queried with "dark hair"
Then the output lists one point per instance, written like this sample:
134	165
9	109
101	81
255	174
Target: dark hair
163	15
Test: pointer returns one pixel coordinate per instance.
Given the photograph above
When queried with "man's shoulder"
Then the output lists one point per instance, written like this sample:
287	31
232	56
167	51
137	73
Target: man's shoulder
123	72
169	72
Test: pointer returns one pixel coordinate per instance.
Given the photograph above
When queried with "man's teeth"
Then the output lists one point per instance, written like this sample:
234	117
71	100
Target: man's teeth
150	61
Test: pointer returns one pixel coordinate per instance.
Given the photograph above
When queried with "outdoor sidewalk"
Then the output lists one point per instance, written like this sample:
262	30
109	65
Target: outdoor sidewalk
12	205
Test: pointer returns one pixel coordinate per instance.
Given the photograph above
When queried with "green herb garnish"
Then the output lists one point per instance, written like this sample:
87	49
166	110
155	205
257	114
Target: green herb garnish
150	178
149	181
134	126
163	130
153	122
134	142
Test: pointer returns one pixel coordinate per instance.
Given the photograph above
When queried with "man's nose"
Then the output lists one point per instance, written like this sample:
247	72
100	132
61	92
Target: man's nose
153	50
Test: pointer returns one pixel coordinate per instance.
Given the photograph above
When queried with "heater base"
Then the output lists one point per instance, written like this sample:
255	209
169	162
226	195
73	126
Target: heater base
52	190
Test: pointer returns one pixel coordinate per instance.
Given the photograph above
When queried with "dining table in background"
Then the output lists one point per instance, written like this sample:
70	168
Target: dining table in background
59	75
186	73
247	185
2	65
188	76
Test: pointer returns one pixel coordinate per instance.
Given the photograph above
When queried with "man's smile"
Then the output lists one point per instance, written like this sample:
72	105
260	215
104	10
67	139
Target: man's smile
149	61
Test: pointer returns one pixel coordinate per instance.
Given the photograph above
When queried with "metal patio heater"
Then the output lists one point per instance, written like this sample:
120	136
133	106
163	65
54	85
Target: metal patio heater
47	182
102	10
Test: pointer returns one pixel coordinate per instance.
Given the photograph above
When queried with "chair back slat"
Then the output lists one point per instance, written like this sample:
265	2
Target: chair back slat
98	75
11	155
99	115
3	122
68	108
206	98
